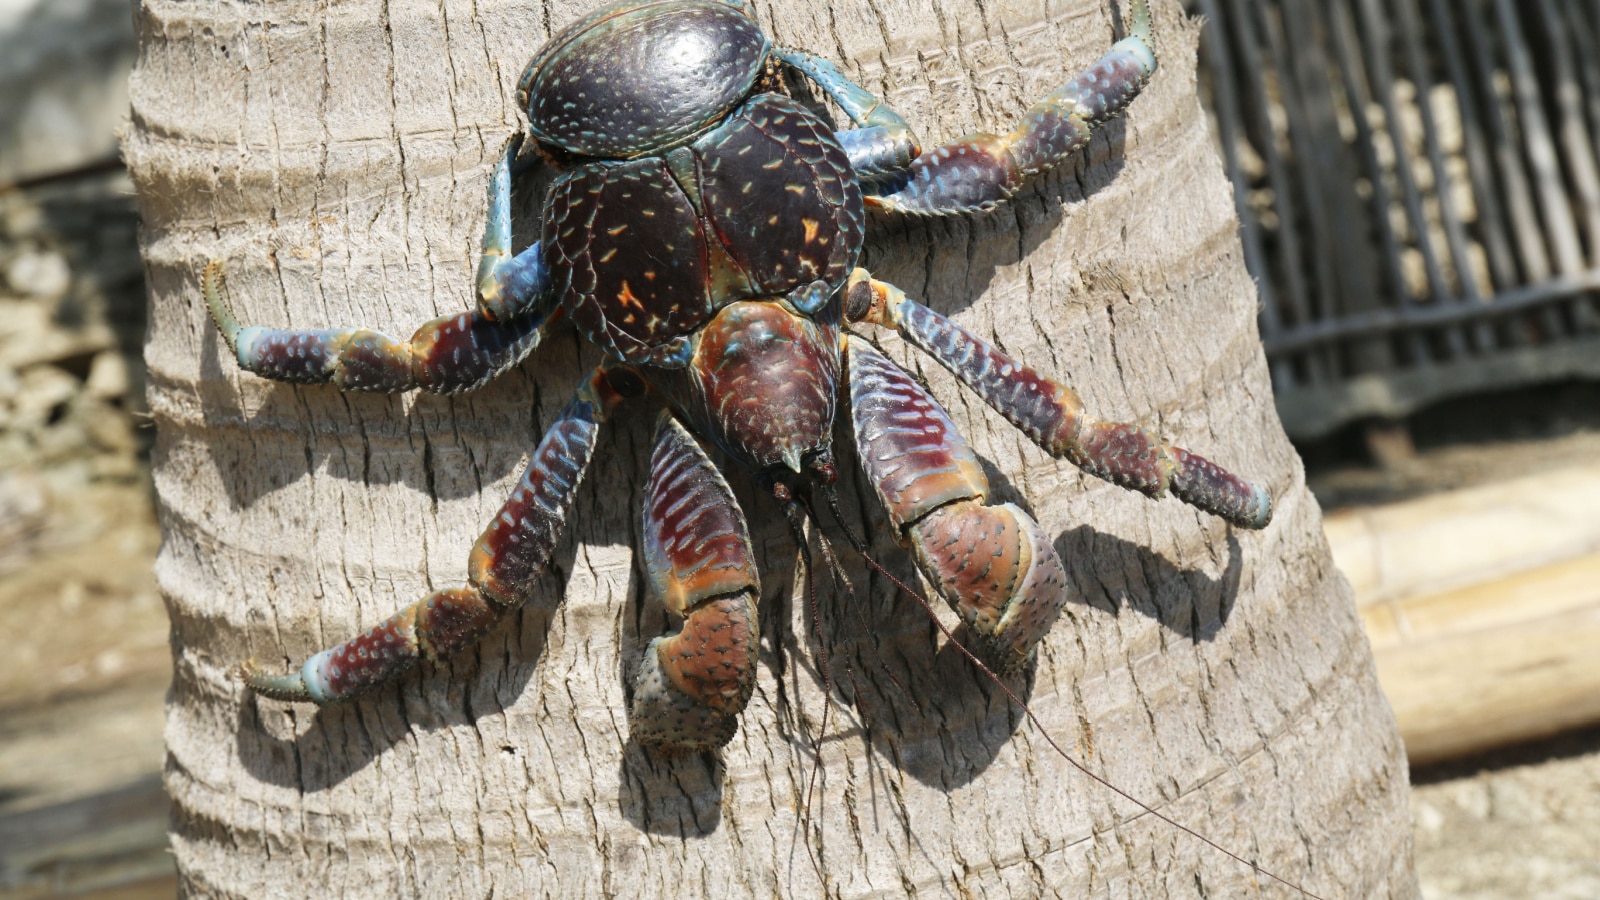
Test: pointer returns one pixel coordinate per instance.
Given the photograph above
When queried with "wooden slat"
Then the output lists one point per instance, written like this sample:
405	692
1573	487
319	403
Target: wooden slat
1509	161
1353	74
1494	663
1256	110
1535	297
1218	57
1449	540
1554	206
1578	149
1449	216
1381	77
1320	151
1317	411
1491	224
1483	608
1292	76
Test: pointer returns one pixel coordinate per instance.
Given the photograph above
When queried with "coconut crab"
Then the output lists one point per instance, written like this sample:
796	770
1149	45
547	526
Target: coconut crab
703	231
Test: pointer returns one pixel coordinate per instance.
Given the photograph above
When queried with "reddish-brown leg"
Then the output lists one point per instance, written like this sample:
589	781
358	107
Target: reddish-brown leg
693	683
993	564
448	355
505	563
1051	414
976	171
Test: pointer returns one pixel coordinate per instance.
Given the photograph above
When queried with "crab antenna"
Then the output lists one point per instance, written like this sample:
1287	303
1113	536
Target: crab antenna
860	548
797	527
843	578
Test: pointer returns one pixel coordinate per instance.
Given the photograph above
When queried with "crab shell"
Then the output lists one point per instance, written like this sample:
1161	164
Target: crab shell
635	78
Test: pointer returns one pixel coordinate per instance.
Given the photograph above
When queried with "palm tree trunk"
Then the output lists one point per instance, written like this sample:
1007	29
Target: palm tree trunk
335	155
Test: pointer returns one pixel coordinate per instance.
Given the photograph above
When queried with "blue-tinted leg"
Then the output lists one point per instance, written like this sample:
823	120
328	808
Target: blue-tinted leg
447	355
881	144
508	286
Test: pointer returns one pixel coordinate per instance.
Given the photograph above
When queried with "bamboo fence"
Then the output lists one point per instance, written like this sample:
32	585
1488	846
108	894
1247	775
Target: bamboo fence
1418	191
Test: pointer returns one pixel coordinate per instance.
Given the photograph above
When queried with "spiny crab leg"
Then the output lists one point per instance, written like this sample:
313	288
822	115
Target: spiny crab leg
993	564
508	286
447	355
977	171
693	684
1051	414
881	144
505	564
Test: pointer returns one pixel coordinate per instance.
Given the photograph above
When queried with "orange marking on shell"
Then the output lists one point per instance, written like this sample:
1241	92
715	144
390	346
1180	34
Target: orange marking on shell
625	295
811	229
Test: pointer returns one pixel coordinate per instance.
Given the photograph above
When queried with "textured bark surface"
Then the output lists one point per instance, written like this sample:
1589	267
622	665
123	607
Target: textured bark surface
336	156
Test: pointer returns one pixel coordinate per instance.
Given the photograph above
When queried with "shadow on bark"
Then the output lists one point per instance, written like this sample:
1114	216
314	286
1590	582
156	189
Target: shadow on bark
925	707
674	796
344	738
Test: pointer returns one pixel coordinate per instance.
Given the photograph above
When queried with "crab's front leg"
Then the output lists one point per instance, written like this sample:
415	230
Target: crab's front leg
993	564
976	171
1051	414
508	286
504	565
693	684
447	355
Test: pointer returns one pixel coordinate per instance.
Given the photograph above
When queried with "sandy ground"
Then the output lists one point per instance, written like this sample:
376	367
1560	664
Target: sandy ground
1519	823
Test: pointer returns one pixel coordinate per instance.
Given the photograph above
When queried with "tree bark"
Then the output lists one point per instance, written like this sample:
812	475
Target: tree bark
336	155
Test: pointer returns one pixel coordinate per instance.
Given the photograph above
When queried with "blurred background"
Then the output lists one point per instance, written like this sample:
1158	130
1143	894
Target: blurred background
1418	184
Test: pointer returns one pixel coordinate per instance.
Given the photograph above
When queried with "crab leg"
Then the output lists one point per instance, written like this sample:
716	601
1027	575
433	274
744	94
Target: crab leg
1051	414
508	286
978	170
504	565
881	144
994	565
447	355
692	684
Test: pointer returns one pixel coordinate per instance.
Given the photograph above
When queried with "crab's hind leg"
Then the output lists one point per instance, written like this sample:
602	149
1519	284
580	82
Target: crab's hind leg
447	355
993	564
976	171
1051	414
504	565
692	684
